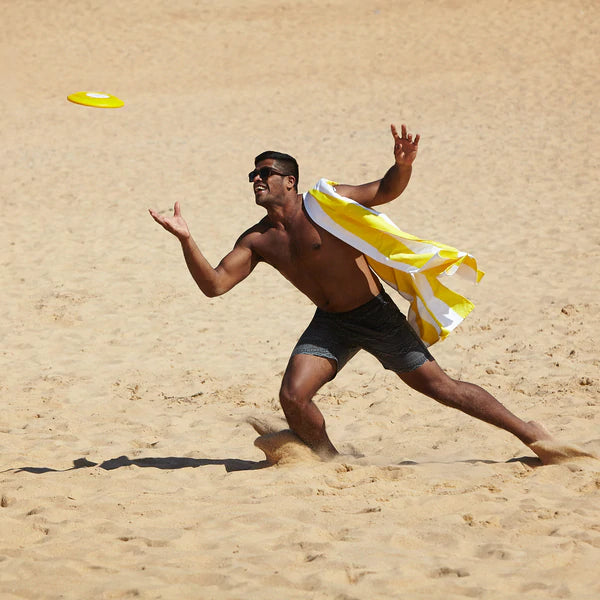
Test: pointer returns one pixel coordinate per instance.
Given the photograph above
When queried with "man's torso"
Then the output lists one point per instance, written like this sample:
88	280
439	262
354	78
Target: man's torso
335	276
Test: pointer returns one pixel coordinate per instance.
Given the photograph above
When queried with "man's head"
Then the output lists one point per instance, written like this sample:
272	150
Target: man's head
284	164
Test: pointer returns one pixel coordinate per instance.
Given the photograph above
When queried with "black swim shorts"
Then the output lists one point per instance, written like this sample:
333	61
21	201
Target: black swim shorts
377	327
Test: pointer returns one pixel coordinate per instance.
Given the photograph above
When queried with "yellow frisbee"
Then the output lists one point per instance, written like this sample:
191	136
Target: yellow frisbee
97	99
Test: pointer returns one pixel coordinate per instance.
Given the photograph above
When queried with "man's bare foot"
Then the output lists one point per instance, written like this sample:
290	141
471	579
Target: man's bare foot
550	451
537	432
285	447
554	452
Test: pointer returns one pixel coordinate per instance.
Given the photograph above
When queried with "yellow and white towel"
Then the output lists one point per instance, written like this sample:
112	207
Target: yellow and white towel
412	266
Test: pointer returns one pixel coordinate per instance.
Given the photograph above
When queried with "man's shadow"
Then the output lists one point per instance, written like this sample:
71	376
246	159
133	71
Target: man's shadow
230	464
169	462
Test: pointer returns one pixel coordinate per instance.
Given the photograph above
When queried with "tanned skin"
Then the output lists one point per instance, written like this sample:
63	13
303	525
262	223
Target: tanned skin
336	278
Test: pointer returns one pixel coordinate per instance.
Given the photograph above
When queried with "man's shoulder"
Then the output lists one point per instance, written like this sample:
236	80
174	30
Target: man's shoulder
263	226
253	233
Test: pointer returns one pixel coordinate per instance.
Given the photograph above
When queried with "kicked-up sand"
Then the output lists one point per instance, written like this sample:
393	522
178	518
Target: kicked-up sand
143	453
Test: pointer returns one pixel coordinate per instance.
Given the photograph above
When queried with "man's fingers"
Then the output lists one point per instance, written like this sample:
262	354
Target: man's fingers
176	210
417	138
404	133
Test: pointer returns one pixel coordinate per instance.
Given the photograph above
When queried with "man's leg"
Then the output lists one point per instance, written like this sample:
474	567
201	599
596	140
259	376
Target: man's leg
303	377
429	379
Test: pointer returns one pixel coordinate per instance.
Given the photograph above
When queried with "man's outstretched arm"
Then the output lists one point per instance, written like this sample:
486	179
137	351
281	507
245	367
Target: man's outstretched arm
394	182
232	269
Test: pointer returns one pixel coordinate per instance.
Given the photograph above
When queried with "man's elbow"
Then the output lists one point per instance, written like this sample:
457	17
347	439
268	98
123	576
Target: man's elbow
212	292
214	289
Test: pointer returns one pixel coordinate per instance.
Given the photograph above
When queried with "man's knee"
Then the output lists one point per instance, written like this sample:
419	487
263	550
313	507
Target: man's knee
450	392
433	382
304	375
291	395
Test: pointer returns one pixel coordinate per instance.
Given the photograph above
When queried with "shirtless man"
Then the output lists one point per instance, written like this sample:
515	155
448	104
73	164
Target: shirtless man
349	297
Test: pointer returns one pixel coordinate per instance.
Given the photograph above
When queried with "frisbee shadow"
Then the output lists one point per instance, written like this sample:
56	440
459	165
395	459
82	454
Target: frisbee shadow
166	463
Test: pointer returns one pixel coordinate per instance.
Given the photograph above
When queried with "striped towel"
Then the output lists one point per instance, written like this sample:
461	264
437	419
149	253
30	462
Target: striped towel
412	266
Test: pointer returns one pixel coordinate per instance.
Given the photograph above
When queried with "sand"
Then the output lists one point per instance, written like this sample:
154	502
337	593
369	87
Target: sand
128	467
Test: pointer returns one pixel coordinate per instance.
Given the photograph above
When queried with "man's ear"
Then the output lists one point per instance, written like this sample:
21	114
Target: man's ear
291	182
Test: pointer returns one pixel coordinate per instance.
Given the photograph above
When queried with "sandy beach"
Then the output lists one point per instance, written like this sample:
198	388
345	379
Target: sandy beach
128	467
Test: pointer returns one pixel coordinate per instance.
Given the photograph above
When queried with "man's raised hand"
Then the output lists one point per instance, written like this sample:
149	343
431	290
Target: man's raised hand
175	224
405	148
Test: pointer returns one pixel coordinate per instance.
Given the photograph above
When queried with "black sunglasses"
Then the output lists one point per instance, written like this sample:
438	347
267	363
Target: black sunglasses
264	173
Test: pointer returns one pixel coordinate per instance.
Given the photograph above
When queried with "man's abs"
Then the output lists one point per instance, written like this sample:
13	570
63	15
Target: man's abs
335	276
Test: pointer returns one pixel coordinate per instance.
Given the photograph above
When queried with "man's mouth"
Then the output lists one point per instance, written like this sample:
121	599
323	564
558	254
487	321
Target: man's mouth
259	187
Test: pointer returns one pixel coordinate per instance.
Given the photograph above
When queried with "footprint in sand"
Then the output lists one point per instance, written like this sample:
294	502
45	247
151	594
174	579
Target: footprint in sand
281	447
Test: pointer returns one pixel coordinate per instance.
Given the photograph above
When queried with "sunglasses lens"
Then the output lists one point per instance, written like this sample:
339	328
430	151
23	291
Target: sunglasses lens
264	173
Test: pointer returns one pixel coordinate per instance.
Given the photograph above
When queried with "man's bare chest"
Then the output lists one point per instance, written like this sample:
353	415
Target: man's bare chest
308	248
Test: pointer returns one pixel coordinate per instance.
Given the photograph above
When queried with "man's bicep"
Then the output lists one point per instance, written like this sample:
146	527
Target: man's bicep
236	266
365	194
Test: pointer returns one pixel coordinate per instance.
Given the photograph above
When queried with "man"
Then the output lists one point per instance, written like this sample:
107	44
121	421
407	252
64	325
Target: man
353	311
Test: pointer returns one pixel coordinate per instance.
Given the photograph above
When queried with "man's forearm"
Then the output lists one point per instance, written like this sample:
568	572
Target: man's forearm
381	191
201	270
393	183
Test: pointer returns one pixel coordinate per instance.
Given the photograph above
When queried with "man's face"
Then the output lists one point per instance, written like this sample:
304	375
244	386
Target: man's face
267	181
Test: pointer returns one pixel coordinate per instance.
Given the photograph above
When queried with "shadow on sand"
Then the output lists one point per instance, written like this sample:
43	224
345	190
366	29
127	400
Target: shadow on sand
170	462
230	464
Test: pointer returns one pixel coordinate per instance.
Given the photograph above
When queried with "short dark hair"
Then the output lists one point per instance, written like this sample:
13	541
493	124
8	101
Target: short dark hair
286	163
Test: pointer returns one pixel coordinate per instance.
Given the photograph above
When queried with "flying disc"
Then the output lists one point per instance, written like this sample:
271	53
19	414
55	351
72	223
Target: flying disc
97	99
